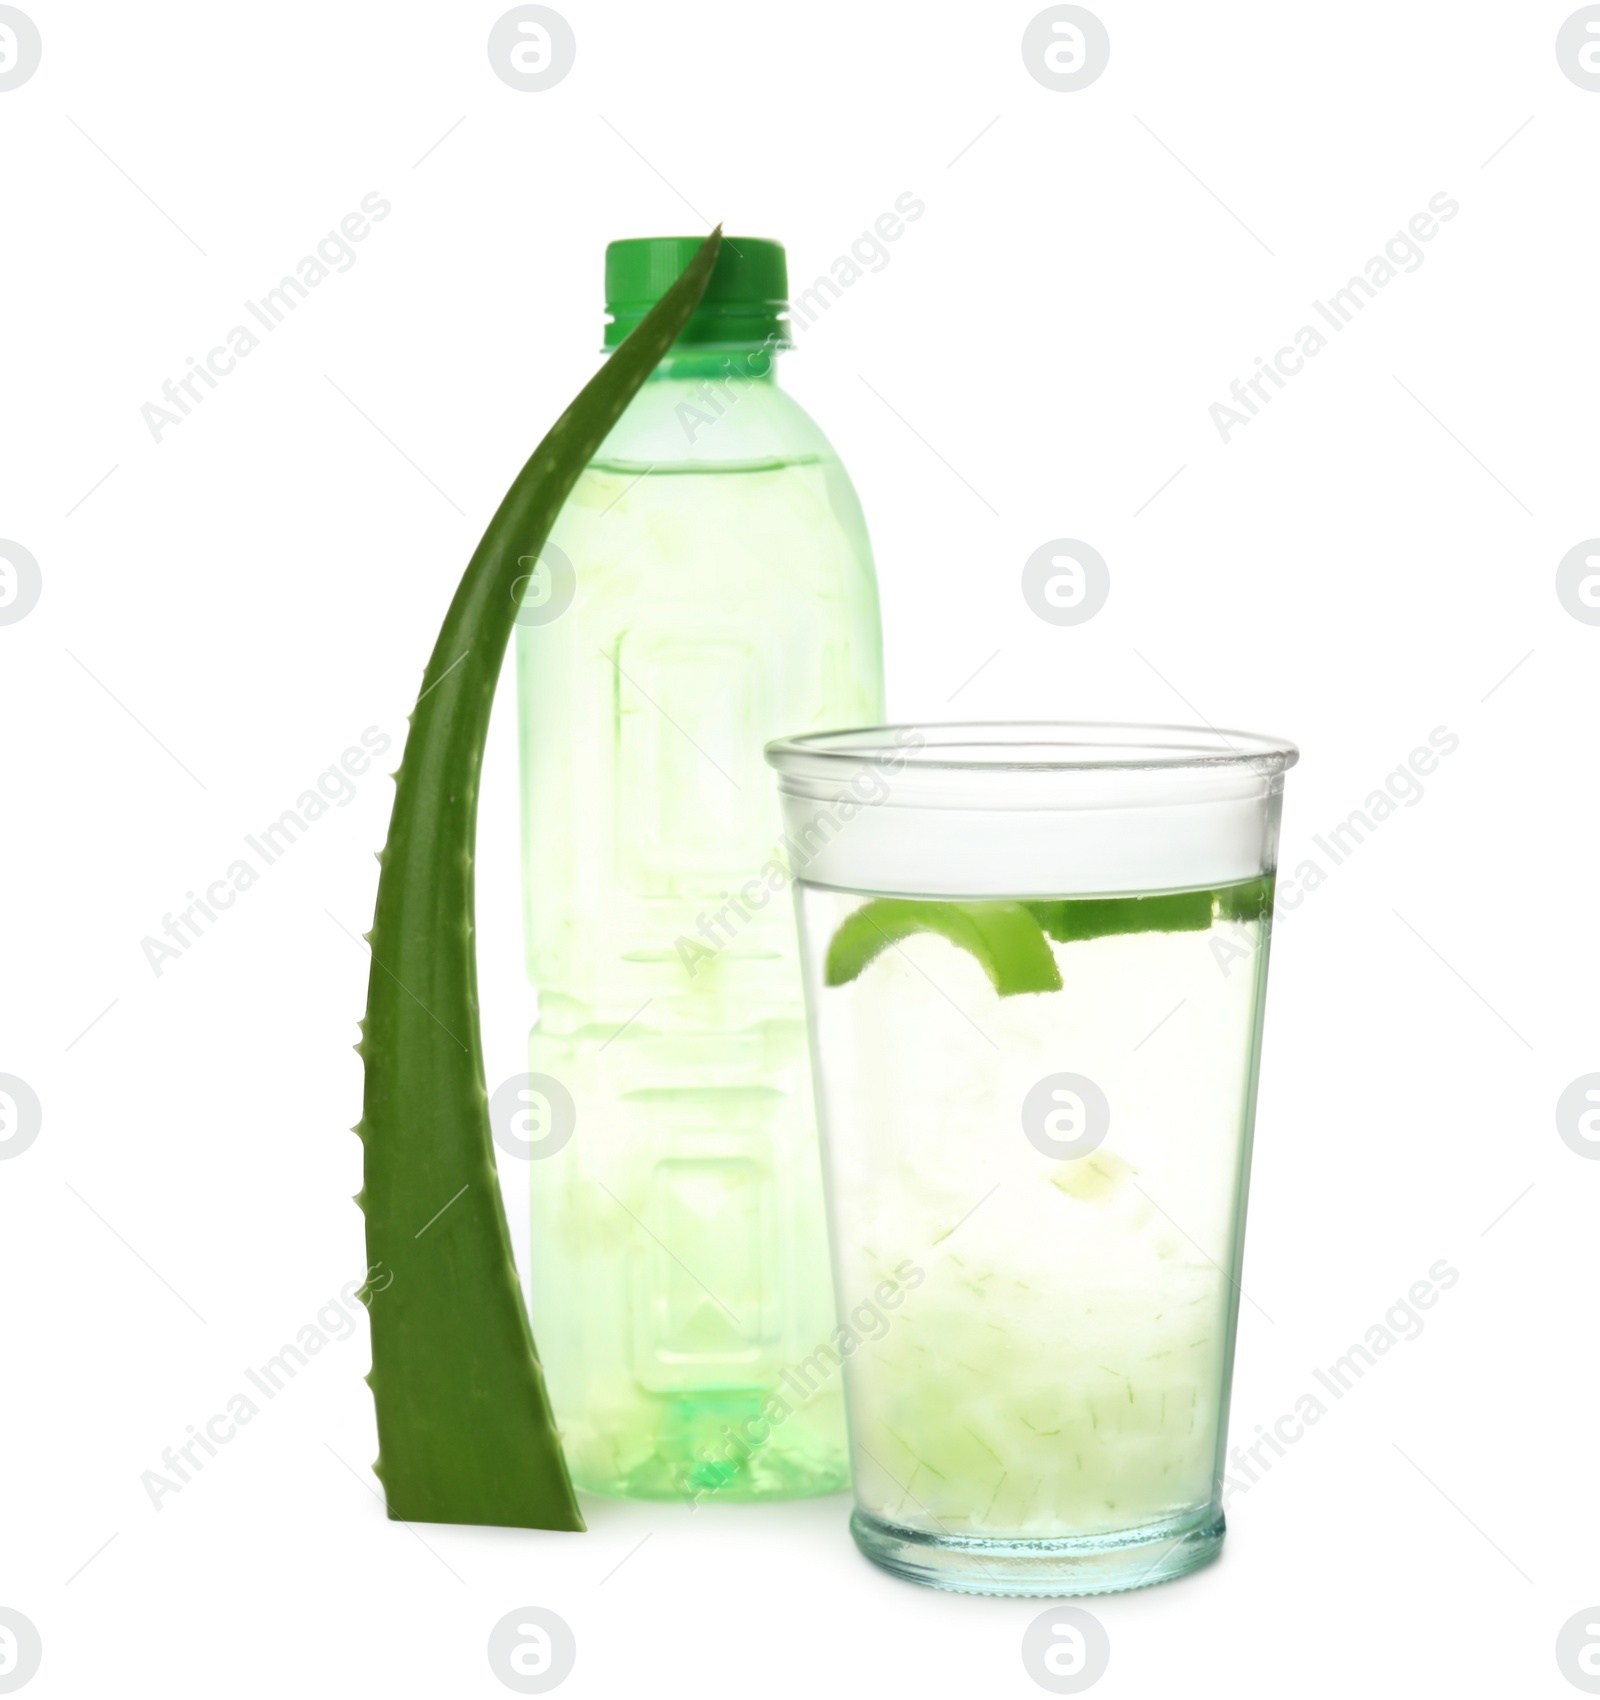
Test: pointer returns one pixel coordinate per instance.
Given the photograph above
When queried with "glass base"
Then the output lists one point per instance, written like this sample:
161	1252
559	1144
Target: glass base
1097	1564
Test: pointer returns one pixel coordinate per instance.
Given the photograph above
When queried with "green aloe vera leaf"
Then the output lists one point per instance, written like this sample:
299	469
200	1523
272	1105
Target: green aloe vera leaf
465	1433
1004	937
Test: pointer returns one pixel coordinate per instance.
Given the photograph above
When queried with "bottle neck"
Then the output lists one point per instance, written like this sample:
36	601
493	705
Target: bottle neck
741	363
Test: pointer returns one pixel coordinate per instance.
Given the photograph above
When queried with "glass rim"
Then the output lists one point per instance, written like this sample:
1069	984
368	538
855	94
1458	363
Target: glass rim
1037	746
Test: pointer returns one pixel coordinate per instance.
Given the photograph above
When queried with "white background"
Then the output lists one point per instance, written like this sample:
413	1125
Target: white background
229	609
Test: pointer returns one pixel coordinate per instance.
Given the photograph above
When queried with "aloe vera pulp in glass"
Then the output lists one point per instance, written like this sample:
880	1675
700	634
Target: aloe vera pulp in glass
709	585
1057	1359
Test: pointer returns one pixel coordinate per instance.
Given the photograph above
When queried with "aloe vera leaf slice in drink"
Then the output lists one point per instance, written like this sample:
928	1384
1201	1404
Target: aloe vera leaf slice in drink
1013	952
1071	919
1004	937
1068	920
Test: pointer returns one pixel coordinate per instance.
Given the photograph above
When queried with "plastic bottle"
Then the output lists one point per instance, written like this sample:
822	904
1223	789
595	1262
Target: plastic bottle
708	587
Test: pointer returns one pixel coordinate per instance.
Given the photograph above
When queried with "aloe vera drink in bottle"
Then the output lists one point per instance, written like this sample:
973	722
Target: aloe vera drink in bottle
708	586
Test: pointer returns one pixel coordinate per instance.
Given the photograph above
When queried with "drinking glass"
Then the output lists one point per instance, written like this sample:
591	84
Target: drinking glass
1035	960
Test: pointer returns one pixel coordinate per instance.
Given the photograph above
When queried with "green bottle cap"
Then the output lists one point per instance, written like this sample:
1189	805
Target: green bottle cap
744	302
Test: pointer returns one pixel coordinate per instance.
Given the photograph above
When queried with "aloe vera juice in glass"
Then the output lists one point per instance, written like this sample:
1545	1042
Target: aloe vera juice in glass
1036	1044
